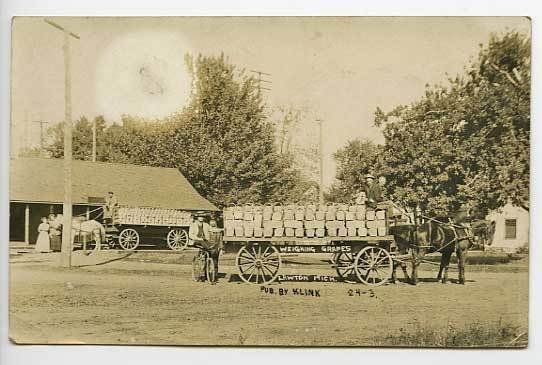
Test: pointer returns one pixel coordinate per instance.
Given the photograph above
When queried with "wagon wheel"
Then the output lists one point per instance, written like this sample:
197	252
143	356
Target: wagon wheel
344	265
177	239
258	263
373	265
129	239
334	257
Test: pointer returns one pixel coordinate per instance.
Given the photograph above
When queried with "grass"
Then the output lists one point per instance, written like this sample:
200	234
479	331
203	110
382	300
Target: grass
495	335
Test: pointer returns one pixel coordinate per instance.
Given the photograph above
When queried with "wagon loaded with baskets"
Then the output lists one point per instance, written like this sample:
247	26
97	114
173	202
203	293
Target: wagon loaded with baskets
132	224
355	235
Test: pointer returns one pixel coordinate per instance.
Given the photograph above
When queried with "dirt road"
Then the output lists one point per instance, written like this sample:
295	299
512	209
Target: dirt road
133	301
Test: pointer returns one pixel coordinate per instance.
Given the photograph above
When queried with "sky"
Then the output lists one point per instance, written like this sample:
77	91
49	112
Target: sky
336	69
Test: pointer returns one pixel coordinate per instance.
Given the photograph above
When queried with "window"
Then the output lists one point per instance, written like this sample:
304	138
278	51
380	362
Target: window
510	228
96	199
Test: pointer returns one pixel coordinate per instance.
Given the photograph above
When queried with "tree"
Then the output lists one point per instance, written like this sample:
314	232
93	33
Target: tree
297	138
357	159
82	139
224	145
466	142
499	91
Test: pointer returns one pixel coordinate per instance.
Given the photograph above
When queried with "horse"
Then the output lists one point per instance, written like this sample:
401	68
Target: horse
438	234
88	230
402	217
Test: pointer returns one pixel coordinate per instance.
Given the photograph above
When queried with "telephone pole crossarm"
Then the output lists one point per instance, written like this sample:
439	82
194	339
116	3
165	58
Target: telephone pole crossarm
260	80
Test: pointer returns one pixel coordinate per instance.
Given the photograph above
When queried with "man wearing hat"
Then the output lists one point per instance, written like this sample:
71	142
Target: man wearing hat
373	191
199	229
110	208
199	232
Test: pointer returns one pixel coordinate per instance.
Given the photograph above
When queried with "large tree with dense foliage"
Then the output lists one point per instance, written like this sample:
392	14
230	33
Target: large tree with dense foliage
225	145
466	141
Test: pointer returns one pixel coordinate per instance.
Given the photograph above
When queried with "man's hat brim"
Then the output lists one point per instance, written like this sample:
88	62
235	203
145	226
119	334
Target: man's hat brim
369	176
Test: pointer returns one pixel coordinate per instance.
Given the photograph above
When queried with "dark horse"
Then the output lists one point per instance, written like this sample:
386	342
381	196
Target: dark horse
438	234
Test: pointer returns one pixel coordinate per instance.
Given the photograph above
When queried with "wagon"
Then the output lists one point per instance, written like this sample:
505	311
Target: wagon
133	224
367	260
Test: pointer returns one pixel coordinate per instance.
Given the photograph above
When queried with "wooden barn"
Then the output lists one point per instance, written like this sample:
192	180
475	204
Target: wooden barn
37	189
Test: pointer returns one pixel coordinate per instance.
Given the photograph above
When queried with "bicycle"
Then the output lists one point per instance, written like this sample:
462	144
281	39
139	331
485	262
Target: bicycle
203	266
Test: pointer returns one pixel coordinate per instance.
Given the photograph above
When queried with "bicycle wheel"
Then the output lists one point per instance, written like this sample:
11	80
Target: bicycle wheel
198	266
210	270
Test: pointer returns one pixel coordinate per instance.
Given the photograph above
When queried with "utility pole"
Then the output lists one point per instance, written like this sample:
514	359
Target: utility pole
94	140
25	136
66	251
321	157
42	135
260	80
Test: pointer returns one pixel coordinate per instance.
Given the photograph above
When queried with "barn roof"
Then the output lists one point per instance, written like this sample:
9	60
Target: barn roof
41	180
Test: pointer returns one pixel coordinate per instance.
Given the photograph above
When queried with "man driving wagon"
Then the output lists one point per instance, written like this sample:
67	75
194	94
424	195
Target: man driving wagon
110	208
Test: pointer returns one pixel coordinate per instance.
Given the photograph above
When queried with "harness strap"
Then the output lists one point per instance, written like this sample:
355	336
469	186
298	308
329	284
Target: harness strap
450	223
90	211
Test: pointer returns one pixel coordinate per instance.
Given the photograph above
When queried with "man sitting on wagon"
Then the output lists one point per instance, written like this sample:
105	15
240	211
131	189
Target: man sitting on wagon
373	192
110	208
377	197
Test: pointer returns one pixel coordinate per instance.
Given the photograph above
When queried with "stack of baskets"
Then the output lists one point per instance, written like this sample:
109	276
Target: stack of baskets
310	220
153	216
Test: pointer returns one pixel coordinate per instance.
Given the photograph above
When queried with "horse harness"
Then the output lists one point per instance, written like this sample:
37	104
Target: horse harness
440	232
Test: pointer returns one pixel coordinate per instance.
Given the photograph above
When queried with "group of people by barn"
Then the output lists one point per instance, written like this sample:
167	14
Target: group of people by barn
49	233
50	229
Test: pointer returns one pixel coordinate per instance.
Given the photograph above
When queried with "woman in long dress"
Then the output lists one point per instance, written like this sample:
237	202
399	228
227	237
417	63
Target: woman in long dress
43	244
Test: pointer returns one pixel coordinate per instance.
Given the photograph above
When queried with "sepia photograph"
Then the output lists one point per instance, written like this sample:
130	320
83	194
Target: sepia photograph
296	181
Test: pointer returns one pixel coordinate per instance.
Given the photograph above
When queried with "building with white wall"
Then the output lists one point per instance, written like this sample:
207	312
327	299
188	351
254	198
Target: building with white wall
512	228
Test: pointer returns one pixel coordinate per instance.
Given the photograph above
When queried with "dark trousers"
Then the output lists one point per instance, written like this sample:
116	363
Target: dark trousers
214	254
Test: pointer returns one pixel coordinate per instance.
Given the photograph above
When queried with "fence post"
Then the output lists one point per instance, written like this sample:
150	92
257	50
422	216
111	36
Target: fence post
27	224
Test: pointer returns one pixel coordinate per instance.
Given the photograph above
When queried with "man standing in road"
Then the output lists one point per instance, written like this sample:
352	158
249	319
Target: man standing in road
198	233
216	243
199	229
